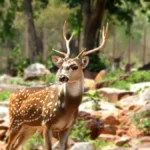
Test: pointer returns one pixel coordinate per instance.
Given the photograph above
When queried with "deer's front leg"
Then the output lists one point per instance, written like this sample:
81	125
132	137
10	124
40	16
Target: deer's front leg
63	135
47	135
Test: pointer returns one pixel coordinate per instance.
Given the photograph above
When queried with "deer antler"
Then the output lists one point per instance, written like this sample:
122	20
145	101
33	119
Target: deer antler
104	37
67	40
67	43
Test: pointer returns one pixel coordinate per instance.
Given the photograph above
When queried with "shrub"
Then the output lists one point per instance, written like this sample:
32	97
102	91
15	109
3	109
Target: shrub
4	95
48	78
142	121
97	63
33	142
135	77
80	132
17	63
95	97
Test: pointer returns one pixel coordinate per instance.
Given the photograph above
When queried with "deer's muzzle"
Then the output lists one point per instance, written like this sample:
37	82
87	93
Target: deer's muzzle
63	78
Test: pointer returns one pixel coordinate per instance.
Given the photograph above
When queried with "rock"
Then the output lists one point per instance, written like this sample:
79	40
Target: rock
95	125
124	148
121	132
5	78
88	84
34	71
3	112
87	106
70	143
113	94
108	137
139	86
123	140
109	129
83	146
111	120
144	147
100	75
139	142
105	106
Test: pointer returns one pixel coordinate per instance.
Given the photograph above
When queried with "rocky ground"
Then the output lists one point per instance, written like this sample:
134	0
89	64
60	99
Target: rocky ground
119	118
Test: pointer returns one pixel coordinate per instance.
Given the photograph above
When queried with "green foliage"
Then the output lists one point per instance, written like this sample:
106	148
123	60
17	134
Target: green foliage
97	63
33	142
139	76
49	78
123	84
17	62
80	132
135	77
112	75
142	121
4	95
95	97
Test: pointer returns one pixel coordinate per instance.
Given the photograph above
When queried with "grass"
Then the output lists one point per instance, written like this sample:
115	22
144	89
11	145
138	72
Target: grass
4	95
49	78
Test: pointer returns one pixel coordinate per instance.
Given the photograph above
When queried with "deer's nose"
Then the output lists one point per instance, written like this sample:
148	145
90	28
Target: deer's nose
63	78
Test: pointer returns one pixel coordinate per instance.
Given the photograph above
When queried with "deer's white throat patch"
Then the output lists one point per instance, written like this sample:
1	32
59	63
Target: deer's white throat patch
73	88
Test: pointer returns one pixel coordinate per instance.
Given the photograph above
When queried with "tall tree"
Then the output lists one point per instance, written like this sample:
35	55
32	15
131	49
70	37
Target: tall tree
33	39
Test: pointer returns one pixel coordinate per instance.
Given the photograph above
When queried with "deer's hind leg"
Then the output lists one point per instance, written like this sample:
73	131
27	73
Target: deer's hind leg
23	136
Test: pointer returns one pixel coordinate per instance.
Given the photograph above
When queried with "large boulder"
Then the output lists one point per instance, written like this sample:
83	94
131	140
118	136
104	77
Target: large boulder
113	94
139	86
34	71
83	146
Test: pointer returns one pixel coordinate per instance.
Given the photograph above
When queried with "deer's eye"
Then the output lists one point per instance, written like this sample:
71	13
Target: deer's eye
74	67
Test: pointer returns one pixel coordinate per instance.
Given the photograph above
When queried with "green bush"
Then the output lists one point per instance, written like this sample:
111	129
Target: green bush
112	75
95	97
33	142
97	63
139	76
80	132
17	63
48	78
135	77
142	121
4	95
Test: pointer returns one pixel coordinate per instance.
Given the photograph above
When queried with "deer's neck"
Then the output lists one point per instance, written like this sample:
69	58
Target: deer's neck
72	91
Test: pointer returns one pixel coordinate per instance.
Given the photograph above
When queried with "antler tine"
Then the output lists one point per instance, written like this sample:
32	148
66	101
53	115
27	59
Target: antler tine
81	53
67	40
60	53
104	37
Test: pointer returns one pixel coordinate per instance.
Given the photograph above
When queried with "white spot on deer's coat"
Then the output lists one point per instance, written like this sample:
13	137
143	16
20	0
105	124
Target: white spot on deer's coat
50	103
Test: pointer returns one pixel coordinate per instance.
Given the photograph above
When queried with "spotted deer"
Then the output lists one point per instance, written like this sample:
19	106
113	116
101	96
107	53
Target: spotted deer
53	107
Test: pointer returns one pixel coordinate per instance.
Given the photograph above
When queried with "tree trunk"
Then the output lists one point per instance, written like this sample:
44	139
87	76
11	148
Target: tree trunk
45	44
92	21
144	46
27	55
33	40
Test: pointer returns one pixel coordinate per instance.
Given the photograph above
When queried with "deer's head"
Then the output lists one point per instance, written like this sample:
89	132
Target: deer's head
71	69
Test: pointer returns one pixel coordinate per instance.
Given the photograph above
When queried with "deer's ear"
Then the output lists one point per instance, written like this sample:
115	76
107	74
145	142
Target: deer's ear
57	60
85	61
